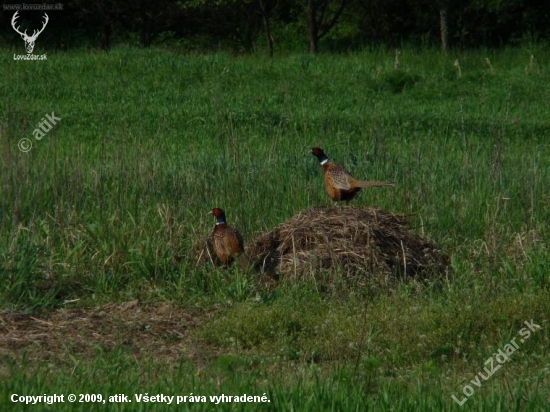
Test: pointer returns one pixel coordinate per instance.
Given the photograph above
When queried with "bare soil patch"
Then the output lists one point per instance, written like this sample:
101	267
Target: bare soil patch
162	332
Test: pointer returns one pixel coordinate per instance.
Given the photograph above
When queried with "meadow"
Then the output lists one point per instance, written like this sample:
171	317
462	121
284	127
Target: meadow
99	290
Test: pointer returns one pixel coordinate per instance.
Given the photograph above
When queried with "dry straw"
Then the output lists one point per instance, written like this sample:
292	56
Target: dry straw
457	67
396	60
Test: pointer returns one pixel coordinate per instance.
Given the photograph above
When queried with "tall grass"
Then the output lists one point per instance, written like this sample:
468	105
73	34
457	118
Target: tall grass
107	206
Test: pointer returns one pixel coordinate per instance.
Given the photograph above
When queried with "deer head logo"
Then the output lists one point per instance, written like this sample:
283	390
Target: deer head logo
29	40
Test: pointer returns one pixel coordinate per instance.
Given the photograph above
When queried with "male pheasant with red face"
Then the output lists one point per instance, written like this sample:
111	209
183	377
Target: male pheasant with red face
339	183
227	241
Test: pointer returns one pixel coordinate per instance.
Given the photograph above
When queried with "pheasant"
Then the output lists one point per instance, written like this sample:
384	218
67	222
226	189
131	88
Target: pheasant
227	241
339	183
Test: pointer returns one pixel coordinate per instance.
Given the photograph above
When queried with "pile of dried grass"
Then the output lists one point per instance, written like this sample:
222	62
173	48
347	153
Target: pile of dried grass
358	241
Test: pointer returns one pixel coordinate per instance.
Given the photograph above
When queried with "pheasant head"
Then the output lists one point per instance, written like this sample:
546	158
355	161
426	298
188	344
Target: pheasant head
219	214
321	156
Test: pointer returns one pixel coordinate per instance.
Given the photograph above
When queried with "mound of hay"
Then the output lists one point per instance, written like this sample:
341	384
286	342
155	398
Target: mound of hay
358	241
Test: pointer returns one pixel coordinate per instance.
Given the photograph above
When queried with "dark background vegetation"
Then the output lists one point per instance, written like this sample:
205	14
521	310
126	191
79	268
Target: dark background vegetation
271	26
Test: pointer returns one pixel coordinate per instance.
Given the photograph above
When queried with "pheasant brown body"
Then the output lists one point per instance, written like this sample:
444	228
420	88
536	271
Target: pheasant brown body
340	185
227	241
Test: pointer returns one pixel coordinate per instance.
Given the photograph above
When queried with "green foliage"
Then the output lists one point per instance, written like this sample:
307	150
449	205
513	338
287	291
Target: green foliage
238	26
236	134
108	206
398	81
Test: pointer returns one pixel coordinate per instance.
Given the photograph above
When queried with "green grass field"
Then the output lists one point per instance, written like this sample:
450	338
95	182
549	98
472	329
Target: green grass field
99	293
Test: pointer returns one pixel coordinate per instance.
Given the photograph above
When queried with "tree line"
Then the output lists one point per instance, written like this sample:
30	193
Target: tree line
271	25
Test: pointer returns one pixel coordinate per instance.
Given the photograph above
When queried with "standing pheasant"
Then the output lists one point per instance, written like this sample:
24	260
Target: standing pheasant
339	183
227	241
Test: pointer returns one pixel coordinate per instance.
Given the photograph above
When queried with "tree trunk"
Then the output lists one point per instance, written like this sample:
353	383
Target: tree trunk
443	24
312	23
267	29
249	38
146	31
105	40
269	39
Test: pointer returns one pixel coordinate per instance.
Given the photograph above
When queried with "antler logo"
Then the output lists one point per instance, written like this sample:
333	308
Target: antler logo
29	40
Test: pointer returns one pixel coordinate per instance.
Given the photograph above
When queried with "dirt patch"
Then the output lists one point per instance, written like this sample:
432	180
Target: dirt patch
162	332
